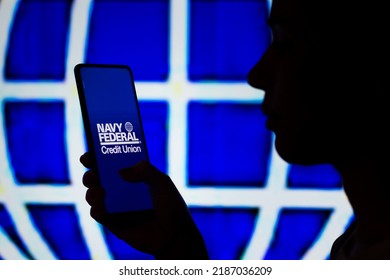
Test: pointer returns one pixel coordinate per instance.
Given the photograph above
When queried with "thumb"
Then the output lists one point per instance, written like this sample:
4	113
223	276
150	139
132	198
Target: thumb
161	186
142	172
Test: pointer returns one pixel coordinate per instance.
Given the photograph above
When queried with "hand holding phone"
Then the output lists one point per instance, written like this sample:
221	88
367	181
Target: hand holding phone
169	234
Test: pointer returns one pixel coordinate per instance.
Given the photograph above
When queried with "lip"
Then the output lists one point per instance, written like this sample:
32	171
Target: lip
270	124
272	118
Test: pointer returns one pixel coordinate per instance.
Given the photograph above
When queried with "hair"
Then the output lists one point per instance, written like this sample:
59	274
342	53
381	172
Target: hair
349	39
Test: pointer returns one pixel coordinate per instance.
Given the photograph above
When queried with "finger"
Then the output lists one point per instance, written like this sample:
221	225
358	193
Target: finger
95	196
91	179
99	214
87	160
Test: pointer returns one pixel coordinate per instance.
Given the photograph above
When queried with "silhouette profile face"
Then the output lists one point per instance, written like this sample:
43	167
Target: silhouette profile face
314	105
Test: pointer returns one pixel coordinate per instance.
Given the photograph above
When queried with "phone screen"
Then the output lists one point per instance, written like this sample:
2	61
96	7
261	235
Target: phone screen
114	132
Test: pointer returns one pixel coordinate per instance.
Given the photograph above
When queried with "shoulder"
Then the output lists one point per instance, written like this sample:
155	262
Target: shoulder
350	247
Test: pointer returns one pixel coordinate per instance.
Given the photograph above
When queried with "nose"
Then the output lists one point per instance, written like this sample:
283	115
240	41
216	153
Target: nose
260	76
263	76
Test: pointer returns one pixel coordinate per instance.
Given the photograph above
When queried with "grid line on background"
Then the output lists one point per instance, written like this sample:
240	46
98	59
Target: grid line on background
178	92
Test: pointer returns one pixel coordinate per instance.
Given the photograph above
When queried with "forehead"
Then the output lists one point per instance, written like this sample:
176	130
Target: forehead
307	15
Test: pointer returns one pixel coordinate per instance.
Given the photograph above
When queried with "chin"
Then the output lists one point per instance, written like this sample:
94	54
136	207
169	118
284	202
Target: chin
301	153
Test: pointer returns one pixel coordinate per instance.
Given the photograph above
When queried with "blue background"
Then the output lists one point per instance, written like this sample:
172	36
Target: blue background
226	38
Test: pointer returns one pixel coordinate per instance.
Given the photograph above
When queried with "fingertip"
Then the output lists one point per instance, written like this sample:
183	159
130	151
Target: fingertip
98	213
86	160
95	196
91	179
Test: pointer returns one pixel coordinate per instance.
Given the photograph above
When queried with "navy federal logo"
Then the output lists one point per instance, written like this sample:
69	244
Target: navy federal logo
116	138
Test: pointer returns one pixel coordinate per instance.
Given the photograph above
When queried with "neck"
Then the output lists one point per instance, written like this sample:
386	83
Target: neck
367	187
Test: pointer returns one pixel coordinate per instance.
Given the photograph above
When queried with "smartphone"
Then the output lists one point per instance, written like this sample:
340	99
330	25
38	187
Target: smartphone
114	132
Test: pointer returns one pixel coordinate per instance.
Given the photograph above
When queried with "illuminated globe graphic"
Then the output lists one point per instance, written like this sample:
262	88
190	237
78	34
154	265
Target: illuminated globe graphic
128	127
247	202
